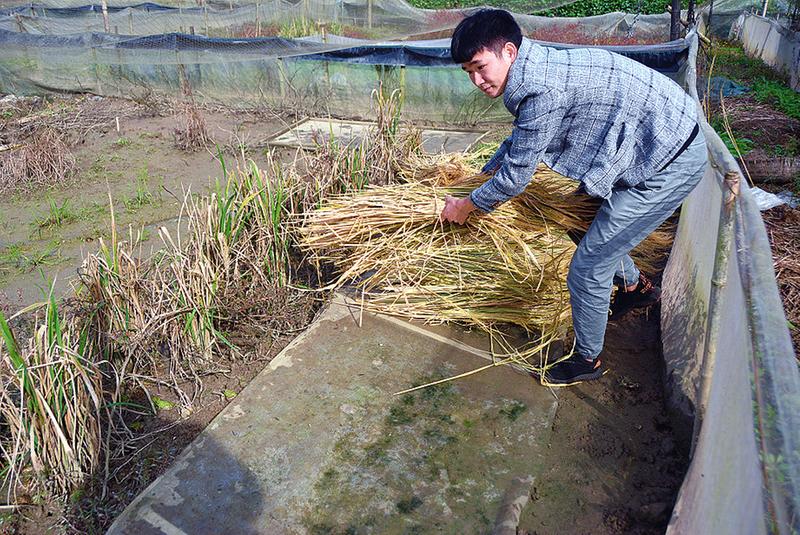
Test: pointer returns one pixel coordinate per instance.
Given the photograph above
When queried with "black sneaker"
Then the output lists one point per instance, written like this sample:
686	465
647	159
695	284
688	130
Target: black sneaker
644	295
574	370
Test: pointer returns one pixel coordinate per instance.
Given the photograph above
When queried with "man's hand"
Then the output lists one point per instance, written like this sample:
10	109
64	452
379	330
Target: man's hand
456	210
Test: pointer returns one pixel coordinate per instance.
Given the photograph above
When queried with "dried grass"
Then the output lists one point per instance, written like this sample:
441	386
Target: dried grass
161	317
388	244
52	402
192	134
43	161
783	229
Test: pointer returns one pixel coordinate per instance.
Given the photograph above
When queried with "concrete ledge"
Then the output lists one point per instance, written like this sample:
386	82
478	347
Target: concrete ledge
318	441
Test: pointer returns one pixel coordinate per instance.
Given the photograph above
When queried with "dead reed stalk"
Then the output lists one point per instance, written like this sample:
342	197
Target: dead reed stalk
192	133
161	316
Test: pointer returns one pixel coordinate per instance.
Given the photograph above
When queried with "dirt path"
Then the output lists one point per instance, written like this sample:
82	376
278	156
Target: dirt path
614	466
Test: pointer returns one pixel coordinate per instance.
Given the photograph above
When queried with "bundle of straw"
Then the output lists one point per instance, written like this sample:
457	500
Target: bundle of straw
498	268
505	267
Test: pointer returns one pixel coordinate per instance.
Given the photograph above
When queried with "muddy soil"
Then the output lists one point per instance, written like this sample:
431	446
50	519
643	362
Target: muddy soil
138	169
613	465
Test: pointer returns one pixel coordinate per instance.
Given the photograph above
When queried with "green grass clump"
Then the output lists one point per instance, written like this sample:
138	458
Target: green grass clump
51	403
58	215
790	148
304	27
777	95
580	8
736	145
733	63
590	8
142	196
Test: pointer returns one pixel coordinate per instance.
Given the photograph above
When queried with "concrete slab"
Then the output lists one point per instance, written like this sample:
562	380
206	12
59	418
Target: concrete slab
309	132
317	443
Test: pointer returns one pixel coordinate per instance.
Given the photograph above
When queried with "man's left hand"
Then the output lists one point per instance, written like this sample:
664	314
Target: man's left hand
456	210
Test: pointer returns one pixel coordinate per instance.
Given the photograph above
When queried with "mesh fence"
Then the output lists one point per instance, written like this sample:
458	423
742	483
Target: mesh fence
362	19
723	13
318	56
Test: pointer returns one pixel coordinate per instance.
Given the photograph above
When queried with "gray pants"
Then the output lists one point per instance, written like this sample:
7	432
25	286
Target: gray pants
622	222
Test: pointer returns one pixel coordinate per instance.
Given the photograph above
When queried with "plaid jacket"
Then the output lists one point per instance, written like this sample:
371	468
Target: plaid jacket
589	114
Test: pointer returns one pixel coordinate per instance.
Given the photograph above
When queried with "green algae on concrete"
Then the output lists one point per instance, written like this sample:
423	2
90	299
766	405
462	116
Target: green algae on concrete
319	443
436	463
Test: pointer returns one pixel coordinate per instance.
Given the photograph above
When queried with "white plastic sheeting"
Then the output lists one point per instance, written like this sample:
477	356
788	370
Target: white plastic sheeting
772	43
721	309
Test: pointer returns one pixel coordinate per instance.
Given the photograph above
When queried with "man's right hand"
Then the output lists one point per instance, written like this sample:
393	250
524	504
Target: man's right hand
456	210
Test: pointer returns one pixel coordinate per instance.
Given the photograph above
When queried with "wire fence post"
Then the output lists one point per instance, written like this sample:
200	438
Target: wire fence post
402	85
104	7
369	14
281	79
130	20
96	72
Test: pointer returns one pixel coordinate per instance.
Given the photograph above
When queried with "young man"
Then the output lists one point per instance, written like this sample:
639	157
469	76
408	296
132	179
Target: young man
627	133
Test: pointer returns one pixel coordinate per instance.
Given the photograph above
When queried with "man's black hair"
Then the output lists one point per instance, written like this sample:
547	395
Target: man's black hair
488	28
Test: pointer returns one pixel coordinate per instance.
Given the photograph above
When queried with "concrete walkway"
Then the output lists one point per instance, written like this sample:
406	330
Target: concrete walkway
318	443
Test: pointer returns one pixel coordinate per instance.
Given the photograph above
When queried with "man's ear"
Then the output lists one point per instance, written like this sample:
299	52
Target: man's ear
510	51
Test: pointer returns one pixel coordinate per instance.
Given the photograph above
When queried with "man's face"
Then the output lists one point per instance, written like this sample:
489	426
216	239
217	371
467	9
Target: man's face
489	71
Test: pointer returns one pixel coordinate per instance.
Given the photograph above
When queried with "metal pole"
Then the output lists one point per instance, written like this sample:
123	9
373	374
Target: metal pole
675	21
710	12
764	10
